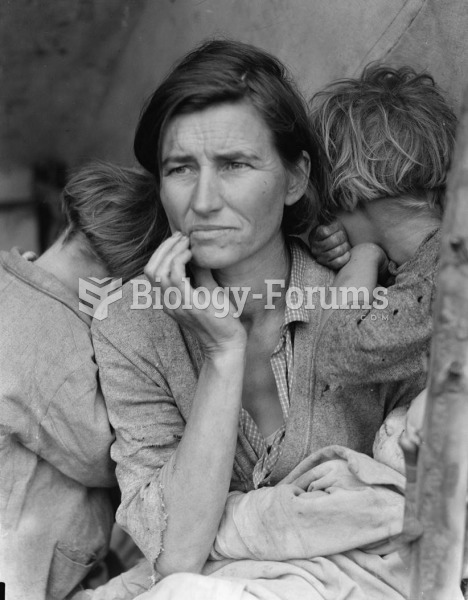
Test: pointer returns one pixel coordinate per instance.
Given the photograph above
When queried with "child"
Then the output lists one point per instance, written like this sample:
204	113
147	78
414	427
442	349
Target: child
402	424
55	466
387	140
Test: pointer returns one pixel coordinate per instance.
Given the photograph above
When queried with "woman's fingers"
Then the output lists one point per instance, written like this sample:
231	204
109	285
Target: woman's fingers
321	476
330	474
177	268
166	262
159	265
172	265
164	248
167	269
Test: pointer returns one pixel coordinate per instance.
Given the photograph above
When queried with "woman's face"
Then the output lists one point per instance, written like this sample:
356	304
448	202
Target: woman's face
223	183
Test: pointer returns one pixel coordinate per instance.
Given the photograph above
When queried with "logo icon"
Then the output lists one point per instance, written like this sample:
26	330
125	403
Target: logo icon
97	294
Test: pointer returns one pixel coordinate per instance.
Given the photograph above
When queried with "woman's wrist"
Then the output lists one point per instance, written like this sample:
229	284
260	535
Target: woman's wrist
228	352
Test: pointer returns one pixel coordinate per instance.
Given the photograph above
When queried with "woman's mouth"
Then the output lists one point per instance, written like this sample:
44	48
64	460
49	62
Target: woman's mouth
208	232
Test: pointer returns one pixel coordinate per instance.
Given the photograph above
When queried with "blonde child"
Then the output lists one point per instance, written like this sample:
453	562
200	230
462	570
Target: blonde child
386	140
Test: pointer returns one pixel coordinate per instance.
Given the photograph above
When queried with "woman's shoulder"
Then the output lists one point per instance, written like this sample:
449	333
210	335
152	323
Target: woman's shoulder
313	274
137	319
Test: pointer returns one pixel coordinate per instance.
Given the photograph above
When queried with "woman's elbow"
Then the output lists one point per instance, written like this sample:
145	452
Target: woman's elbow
169	563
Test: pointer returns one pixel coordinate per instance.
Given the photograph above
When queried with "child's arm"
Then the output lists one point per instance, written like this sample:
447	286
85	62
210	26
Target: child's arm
366	263
389	341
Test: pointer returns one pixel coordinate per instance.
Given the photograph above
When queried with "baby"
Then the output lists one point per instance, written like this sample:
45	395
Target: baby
403	424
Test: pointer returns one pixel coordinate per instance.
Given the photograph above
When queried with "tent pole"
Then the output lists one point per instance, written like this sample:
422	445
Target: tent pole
442	471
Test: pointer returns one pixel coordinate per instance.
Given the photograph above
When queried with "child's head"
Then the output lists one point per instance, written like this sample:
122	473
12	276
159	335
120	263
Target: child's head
386	447
114	212
388	134
402	421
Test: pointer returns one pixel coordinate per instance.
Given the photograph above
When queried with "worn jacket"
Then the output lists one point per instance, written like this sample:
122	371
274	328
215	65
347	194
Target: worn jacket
149	368
55	437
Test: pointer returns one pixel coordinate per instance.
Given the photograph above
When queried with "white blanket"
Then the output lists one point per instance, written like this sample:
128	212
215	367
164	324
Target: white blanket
329	531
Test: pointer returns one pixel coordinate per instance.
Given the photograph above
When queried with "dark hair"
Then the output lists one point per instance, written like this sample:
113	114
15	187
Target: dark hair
388	133
229	71
116	212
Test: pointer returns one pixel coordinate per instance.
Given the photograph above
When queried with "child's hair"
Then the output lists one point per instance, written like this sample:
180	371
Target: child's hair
115	210
389	133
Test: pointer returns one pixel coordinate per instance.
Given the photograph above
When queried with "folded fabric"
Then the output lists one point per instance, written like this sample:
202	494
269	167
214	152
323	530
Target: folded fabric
334	501
329	531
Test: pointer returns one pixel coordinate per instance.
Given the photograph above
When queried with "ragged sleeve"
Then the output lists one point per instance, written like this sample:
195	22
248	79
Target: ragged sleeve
148	427
380	344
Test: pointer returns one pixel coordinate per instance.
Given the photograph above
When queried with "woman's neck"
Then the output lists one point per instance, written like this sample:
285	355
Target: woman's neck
68	262
263	273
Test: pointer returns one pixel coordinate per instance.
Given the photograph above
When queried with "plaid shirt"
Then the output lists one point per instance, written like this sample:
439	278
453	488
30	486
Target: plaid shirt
268	450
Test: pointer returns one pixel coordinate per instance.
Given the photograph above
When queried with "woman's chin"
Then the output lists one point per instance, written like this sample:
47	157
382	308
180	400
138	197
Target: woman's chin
212	258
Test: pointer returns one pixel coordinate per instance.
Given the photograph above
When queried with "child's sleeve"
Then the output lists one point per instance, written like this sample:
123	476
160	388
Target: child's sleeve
380	344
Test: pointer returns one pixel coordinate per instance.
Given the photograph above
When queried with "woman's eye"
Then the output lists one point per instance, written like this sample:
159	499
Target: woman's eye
180	170
236	166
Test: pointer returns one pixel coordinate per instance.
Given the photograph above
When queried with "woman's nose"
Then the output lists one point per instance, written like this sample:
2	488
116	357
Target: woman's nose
206	195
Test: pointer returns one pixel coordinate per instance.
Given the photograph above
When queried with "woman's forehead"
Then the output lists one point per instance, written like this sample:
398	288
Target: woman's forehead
219	128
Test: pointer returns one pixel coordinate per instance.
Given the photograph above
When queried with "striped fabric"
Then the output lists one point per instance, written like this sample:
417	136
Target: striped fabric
268	450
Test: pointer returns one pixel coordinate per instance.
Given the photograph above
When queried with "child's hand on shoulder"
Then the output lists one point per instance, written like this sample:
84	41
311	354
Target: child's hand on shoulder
330	246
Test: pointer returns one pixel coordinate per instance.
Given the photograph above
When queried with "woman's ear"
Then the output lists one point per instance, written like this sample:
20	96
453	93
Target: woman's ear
298	180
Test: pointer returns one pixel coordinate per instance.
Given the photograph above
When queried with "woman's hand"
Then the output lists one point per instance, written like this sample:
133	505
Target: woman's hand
166	269
330	246
196	479
330	474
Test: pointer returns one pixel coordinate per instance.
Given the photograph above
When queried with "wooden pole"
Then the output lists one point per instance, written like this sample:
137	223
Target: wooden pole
442	471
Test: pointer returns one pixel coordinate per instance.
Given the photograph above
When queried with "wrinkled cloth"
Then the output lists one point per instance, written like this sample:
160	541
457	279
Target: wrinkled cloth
362	505
149	368
295	542
55	513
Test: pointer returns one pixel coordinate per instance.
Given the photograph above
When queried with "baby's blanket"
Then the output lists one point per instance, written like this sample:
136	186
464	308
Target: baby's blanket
329	531
334	501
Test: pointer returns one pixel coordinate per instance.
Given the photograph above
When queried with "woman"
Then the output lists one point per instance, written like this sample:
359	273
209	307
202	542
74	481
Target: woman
203	405
56	513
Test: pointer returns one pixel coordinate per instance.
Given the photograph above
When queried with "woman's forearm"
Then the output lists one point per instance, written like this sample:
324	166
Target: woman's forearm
196	487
